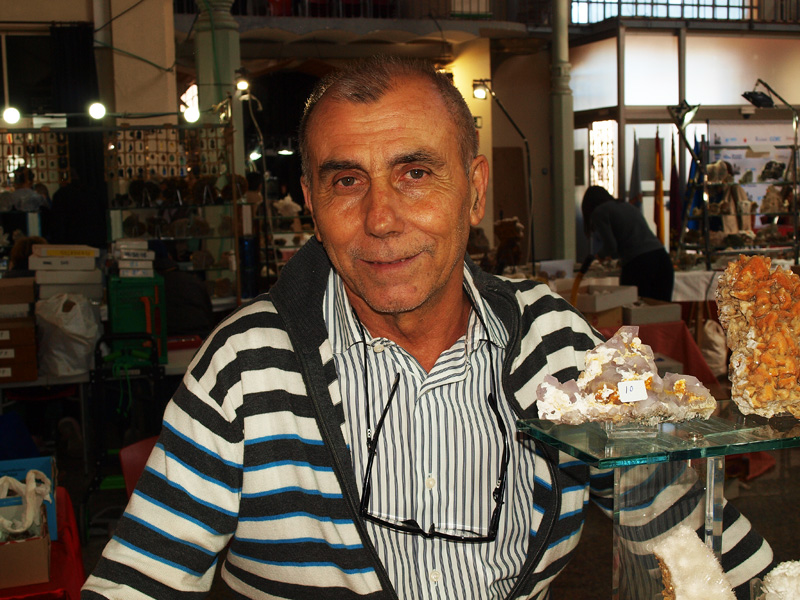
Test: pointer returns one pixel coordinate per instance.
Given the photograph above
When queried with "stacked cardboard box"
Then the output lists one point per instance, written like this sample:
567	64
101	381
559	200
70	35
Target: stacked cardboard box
27	561
602	304
67	269
133	257
17	331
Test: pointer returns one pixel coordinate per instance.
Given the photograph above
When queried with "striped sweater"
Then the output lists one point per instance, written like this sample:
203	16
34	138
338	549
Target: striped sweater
252	464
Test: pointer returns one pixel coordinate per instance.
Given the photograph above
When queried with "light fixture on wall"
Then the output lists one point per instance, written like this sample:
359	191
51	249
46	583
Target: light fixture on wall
482	89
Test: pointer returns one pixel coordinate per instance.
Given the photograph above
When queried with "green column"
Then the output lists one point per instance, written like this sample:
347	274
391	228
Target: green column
563	143
217	57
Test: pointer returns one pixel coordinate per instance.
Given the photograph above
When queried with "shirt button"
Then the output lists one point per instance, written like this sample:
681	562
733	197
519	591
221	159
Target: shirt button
430	482
378	348
435	576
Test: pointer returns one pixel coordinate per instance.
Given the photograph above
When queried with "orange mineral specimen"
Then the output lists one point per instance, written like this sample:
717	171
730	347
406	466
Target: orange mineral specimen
759	308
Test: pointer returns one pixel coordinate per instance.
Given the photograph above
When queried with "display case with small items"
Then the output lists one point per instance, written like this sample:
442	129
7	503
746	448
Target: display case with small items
173	185
288	228
750	184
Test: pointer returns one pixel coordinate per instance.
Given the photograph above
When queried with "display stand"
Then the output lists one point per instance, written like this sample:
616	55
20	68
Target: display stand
647	461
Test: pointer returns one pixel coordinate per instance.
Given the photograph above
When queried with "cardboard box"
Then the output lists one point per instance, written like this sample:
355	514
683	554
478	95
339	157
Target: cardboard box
611	318
648	310
69	276
16	290
15	311
557	268
93	291
665	364
17	332
65	250
599	298
18	469
18	363
24	562
57	263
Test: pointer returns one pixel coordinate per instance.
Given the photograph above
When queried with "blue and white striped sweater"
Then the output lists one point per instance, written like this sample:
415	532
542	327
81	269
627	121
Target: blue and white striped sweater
252	457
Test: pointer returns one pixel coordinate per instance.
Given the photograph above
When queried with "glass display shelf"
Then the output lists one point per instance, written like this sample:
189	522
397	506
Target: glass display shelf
726	433
649	464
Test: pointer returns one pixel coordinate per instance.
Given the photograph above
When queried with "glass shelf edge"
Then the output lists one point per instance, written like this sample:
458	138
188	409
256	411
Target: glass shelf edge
722	437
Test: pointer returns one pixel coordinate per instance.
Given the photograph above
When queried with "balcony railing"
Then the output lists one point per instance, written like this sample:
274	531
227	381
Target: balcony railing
534	13
766	11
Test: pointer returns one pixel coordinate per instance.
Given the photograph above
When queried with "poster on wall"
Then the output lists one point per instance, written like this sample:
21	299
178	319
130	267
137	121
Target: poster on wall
758	157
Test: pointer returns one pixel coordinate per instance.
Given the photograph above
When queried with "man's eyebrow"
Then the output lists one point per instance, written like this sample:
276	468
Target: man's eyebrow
425	157
418	156
332	166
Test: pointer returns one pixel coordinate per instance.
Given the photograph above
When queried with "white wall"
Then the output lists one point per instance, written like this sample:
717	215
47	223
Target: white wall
473	61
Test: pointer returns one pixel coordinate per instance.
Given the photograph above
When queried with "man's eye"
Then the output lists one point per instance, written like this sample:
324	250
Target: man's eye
417	173
346	181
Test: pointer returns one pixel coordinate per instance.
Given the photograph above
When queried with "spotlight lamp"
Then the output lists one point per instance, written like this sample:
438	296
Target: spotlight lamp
683	114
11	115
255	154
97	110
480	89
242	80
759	99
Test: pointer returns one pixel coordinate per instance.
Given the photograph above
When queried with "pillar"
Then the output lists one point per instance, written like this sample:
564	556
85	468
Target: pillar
563	143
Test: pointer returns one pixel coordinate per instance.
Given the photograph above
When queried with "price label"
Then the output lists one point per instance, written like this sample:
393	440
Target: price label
6	353
632	391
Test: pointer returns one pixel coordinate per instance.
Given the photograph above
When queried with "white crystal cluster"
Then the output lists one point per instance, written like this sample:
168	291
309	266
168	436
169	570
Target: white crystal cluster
783	582
597	394
689	569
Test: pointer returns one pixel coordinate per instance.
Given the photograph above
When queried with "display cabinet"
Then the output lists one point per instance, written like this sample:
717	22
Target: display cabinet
751	181
648	462
173	184
46	153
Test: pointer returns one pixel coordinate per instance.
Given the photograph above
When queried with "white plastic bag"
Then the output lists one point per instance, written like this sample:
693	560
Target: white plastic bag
68	329
33	492
714	348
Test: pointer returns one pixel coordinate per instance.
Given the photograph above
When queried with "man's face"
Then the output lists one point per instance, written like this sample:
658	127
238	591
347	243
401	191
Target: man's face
391	200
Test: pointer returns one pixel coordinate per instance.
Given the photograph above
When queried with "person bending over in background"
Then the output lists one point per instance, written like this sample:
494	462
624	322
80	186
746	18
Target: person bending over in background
622	232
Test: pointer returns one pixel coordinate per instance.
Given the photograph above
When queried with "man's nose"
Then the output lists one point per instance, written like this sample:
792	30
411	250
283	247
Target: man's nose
383	208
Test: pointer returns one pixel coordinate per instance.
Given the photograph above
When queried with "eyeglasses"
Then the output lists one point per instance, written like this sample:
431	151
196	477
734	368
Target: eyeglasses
410	525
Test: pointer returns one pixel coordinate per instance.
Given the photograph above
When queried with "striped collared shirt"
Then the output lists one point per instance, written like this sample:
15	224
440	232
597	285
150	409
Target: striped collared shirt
439	454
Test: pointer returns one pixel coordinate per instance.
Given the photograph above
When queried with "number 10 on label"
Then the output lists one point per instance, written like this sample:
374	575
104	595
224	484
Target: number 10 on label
632	391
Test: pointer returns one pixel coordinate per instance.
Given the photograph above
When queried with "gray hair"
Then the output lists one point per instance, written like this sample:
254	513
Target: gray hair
368	80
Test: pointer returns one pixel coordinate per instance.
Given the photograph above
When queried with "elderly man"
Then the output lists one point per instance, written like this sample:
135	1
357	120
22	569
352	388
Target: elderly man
351	434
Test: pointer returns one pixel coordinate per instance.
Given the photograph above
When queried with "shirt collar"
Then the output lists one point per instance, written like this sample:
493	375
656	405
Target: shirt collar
344	329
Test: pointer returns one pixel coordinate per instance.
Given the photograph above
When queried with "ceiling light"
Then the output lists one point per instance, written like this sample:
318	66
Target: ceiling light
11	115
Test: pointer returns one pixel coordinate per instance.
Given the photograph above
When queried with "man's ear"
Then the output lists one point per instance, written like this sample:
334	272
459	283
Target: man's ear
309	205
479	181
